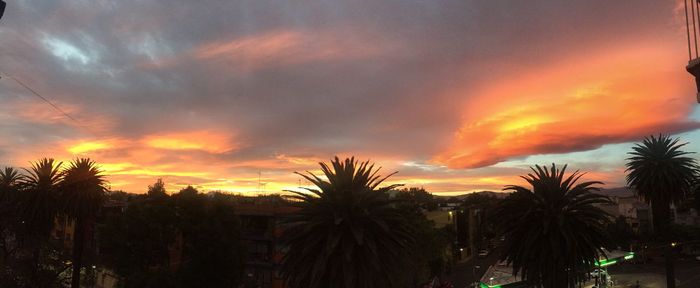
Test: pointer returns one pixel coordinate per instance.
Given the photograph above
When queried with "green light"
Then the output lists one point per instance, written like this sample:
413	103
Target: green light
629	256
607	263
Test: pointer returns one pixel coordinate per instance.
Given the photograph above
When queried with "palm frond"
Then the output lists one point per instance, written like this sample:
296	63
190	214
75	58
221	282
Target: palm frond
546	241
348	232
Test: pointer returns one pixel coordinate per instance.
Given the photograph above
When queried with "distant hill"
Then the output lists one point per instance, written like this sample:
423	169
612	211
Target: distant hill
462	196
613	192
618	192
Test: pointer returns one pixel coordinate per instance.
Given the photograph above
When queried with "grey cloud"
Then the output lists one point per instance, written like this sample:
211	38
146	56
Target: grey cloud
390	104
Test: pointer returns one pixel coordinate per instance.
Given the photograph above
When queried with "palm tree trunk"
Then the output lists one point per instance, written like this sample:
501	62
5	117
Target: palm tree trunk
670	271
661	218
78	243
661	213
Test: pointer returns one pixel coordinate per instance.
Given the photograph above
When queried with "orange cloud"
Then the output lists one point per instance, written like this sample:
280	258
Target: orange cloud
290	47
209	141
613	95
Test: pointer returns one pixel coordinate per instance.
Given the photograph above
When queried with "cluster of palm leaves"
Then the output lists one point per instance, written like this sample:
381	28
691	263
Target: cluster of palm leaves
554	231
348	232
662	174
44	191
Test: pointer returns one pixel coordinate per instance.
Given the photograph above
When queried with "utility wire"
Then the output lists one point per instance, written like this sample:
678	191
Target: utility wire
44	99
54	106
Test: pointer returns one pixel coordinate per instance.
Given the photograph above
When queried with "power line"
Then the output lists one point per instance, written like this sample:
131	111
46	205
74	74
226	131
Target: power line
44	99
77	123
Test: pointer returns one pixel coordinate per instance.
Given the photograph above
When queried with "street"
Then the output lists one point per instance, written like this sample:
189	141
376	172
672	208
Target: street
464	273
649	275
652	275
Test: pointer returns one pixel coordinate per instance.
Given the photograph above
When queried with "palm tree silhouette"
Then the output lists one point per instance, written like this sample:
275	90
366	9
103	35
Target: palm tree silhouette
662	174
9	181
39	206
554	232
83	190
347	232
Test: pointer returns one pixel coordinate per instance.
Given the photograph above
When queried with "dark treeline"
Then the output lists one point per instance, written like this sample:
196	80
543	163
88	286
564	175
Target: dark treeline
186	239
32	201
348	231
162	239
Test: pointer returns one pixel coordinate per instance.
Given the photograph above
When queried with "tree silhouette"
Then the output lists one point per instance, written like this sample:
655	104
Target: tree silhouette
83	191
347	233
10	180
662	174
39	207
157	190
183	240
554	232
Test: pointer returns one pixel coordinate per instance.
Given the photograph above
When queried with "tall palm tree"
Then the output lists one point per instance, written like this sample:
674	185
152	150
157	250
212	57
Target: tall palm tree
662	174
554	231
347	232
39	208
83	190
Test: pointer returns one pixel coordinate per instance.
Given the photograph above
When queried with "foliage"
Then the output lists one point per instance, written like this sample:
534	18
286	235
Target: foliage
10	180
662	174
348	233
417	197
188	191
157	190
184	240
137	248
83	188
212	249
684	233
40	206
554	232
621	233
429	254
82	194
118	195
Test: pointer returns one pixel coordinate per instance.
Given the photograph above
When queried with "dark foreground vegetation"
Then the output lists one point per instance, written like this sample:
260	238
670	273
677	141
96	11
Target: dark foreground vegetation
192	239
61	227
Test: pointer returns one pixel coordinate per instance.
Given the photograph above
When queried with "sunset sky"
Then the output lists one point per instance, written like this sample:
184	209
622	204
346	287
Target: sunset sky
455	95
